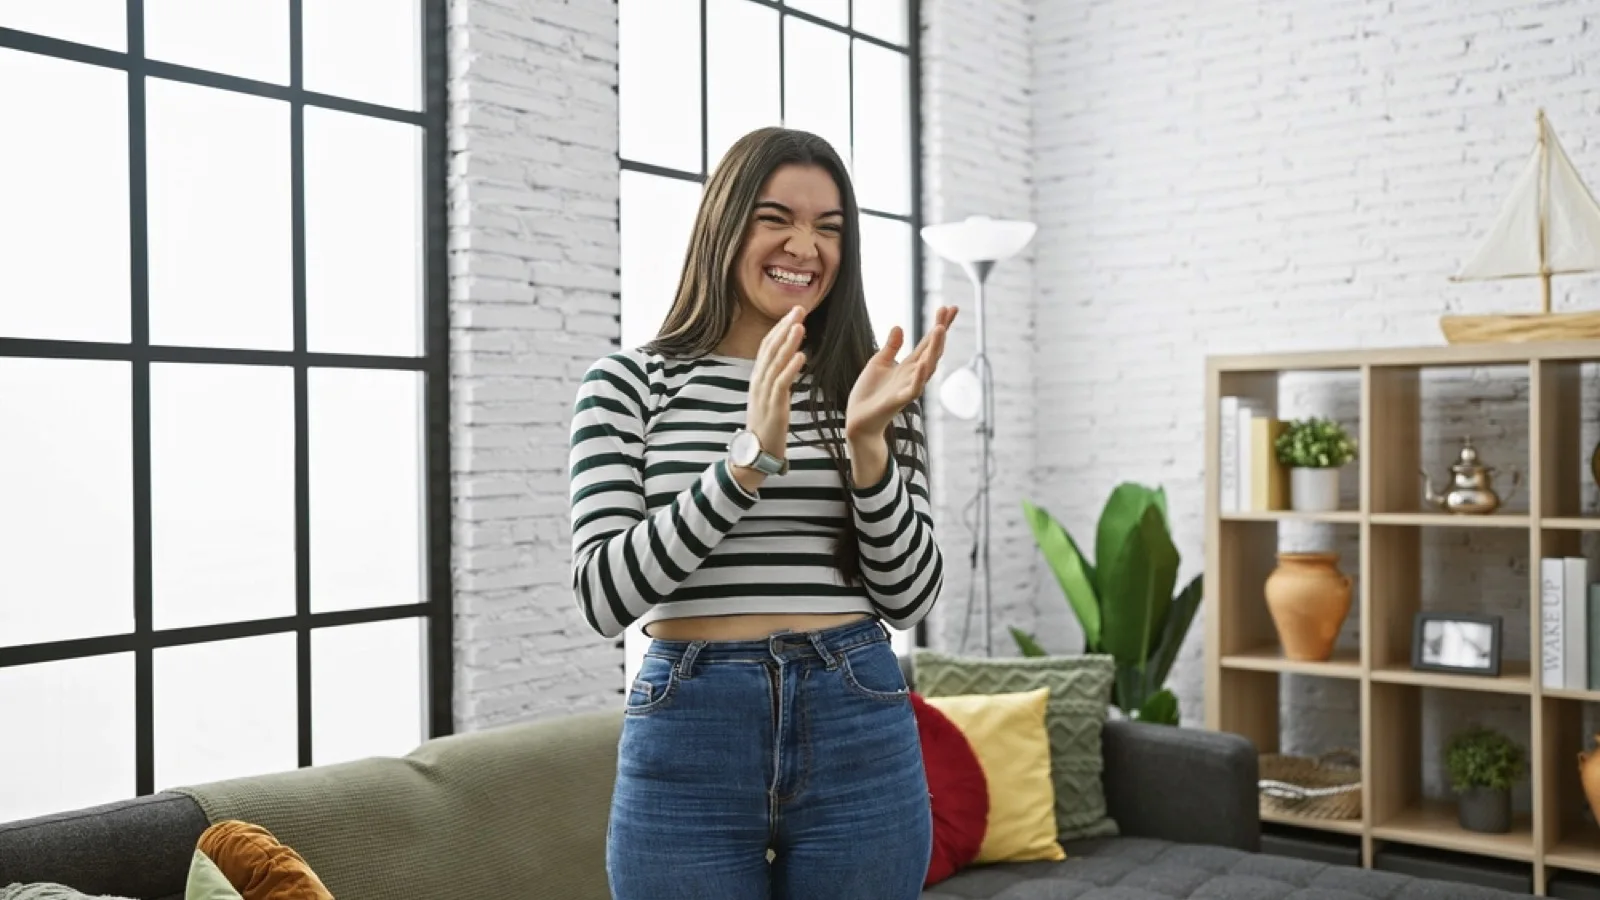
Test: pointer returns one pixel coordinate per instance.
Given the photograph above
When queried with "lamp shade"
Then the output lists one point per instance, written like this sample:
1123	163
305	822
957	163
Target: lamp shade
979	239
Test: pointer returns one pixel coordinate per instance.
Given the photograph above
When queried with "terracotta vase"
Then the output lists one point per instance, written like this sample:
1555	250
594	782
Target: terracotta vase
1309	598
1589	774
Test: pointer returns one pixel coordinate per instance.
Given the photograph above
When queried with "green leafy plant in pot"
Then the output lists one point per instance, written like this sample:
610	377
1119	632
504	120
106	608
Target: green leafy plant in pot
1123	598
1483	764
1314	449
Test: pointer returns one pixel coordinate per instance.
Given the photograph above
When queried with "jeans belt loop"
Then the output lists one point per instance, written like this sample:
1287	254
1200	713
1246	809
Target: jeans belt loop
686	661
828	659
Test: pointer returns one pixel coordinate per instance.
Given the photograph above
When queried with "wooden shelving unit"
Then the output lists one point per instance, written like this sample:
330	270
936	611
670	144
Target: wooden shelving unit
1244	664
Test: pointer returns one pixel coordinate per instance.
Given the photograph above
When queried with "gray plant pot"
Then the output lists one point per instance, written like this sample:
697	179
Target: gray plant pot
1485	810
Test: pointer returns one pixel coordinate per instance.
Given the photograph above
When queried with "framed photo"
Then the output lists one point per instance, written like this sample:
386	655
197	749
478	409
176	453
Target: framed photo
1460	643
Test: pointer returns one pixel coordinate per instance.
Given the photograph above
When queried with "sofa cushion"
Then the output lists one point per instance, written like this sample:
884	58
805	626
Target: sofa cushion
1080	695
134	848
1125	868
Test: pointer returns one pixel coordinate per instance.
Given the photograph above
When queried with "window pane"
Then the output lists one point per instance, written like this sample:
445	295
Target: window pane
219	206
66	500
67	178
657	216
366	690
886	19
816	82
886	273
248	38
832	10
742	72
205	731
364	49
363	234
101	23
221	493
69	741
658	69
882	170
366	434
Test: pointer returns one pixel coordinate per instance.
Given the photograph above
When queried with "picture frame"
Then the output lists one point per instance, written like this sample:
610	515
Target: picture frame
1460	643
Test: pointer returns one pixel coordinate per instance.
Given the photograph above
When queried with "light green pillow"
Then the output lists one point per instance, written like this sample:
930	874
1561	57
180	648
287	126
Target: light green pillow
1080	694
206	881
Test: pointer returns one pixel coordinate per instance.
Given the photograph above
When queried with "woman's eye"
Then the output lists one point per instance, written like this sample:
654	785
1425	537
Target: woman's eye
776	220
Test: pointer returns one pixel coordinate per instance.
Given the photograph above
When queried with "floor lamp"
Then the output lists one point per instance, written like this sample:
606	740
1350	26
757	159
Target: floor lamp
977	243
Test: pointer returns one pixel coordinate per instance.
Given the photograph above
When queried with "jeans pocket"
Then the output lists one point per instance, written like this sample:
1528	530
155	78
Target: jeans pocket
653	686
873	671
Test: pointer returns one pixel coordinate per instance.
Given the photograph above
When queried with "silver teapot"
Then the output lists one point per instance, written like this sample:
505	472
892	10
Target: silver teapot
1471	488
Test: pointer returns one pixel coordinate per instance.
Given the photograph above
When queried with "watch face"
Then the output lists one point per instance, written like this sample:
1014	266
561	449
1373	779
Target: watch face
745	448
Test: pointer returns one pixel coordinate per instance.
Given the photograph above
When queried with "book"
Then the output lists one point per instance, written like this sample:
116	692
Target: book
1551	621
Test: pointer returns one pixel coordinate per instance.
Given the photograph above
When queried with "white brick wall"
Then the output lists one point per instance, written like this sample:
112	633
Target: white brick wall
1231	177
533	280
977	158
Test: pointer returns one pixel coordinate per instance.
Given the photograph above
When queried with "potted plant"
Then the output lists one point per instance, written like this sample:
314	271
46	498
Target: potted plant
1123	598
1314	449
1482	765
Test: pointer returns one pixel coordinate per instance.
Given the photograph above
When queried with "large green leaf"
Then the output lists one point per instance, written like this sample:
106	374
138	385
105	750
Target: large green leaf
1026	643
1176	629
1136	589
1160	708
1061	552
1121	514
1127	691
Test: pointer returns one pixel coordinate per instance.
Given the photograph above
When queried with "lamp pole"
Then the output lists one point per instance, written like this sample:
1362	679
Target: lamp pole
978	272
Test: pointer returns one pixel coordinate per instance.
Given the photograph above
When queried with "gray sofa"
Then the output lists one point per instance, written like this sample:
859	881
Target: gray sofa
520	812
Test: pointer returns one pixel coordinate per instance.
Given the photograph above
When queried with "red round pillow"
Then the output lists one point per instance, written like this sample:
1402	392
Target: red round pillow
960	792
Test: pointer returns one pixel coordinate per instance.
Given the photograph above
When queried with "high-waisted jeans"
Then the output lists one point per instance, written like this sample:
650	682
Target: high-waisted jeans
803	743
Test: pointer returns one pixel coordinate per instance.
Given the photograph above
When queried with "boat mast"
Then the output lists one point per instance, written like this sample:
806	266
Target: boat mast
1544	211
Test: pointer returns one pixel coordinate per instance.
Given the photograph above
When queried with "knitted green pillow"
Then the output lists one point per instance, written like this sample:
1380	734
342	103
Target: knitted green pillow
1080	694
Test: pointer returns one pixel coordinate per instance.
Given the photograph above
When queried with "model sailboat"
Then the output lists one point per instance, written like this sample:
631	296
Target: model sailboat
1549	225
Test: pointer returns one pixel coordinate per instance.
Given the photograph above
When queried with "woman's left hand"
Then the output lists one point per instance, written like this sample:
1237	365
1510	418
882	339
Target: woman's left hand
885	387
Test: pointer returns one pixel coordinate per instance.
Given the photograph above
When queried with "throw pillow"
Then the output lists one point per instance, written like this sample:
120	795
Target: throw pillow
206	881
957	791
258	865
1007	734
1080	695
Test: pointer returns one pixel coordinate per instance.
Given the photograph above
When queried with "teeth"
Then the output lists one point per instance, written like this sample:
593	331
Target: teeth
799	278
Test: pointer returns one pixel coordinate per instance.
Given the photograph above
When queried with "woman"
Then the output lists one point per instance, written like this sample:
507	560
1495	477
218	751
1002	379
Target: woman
751	486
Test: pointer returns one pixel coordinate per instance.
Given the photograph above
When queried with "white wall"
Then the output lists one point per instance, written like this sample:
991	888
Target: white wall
533	281
1236	177
977	160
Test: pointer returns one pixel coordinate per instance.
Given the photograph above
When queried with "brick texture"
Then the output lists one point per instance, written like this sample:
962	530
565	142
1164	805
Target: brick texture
977	160
1235	178
533	281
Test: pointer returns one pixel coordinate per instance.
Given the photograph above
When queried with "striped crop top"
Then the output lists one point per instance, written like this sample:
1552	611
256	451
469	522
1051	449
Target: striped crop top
660	528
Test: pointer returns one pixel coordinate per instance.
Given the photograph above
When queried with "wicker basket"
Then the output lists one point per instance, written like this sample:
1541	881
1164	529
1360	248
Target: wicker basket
1314	787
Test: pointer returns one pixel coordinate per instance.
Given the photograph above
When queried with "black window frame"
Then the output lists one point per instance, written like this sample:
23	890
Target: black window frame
436	610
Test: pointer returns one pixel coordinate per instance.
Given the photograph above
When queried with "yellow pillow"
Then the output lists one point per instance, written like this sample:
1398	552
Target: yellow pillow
1007	734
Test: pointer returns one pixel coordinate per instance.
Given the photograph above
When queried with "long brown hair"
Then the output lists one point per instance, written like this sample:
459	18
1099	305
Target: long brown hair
839	339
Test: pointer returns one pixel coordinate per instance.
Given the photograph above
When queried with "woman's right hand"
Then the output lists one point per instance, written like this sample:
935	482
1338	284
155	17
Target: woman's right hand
778	364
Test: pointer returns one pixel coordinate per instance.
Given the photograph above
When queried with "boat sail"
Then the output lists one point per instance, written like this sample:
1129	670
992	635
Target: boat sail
1548	225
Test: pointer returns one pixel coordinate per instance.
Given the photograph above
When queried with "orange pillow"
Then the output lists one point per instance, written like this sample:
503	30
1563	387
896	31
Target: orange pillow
258	866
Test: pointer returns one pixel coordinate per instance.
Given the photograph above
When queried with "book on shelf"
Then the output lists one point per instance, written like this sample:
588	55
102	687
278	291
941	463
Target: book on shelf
1569	624
1250	478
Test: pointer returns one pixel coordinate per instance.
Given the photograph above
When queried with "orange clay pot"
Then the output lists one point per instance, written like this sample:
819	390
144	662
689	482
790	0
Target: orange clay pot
1309	598
1589	774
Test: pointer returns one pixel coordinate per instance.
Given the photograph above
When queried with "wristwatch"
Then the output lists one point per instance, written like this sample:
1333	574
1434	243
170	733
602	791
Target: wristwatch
745	452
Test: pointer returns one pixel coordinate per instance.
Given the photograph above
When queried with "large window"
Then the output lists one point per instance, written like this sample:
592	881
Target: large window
223	495
697	74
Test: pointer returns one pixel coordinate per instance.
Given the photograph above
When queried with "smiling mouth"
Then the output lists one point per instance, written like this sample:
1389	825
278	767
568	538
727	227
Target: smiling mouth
790	278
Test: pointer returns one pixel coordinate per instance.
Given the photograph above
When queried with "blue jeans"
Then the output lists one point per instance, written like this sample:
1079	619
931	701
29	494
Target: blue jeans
803	743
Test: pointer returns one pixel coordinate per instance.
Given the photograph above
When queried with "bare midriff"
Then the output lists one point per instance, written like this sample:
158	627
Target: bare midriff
752	627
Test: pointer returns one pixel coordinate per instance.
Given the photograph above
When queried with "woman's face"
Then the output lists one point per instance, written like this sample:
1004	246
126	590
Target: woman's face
792	243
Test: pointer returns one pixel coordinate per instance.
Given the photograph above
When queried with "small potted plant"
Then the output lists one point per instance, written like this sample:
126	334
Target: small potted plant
1482	765
1313	449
